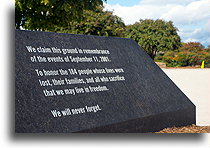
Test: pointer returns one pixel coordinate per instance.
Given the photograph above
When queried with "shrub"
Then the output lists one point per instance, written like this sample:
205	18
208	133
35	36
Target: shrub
189	54
186	58
206	58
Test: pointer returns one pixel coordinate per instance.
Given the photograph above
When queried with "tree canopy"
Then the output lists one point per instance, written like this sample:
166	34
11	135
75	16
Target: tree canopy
88	17
192	47
189	54
45	14
154	35
99	22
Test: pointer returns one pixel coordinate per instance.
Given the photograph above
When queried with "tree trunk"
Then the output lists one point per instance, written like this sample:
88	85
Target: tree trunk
152	55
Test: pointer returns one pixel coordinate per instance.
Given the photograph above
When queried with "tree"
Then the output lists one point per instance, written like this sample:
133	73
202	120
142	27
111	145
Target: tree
192	47
208	48
154	36
46	14
101	23
189	54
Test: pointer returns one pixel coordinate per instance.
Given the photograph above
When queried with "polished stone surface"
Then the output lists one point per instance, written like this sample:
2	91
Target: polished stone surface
146	100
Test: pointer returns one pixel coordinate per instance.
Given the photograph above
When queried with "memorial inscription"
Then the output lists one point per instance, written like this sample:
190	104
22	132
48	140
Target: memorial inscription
79	83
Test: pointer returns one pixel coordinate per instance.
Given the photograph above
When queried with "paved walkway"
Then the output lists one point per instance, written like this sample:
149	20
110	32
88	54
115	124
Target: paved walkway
195	83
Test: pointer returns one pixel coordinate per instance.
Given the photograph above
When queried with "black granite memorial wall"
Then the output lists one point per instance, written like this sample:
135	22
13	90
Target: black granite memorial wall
79	83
